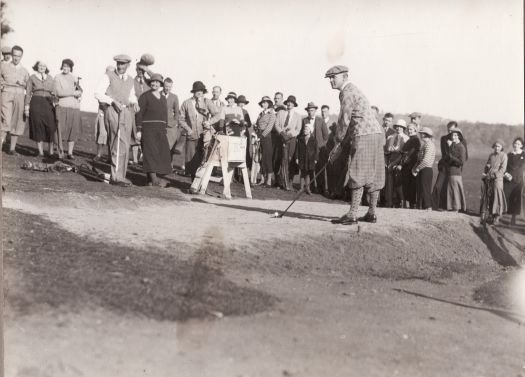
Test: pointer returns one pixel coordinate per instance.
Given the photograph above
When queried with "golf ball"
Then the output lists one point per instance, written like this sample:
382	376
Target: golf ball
276	214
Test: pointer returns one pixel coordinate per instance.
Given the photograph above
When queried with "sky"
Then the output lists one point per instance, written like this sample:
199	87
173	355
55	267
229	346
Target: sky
458	59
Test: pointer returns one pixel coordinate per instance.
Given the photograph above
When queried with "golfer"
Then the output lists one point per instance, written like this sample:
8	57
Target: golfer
358	129
116	89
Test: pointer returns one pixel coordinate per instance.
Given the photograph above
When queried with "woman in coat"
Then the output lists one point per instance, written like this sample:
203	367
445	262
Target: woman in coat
454	160
40	109
409	154
152	121
263	126
513	179
493	184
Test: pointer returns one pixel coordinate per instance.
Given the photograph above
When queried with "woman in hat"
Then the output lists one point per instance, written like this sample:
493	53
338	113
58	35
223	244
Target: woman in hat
152	120
39	107
393	183
233	116
513	179
68	91
423	168
409	153
494	203
455	159
264	125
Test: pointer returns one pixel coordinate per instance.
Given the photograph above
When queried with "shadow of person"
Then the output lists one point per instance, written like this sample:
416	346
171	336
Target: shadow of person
496	245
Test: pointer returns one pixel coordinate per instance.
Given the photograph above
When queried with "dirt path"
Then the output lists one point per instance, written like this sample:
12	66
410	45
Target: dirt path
105	285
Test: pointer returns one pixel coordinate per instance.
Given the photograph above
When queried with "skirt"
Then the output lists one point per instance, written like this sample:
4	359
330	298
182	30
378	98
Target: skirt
366	164
69	123
498	203
42	121
456	194
514	195
267	153
155	148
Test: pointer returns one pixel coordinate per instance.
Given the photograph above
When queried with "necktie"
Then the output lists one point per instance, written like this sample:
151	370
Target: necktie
287	120
396	141
42	76
122	77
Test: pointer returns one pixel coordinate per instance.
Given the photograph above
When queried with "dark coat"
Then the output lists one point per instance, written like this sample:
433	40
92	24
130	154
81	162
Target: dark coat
307	153
320	133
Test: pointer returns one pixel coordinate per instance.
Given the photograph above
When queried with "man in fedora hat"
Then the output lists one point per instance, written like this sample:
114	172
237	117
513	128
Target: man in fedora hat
319	131
197	115
359	131
117	90
288	125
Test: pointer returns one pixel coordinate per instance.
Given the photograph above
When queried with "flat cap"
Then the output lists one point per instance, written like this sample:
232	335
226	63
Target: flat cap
6	50
415	114
335	70
122	58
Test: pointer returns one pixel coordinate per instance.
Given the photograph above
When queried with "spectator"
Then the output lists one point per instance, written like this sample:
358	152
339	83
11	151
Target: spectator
455	158
388	119
393	190
172	102
423	169
197	115
39	107
116	92
513	179
6	54
288	124
409	154
307	154
101	131
69	93
13	82
152	121
264	126
492	188
277	155
415	118
320	134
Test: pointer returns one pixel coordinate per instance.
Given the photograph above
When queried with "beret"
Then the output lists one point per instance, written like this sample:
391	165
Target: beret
122	58
335	70
6	50
415	115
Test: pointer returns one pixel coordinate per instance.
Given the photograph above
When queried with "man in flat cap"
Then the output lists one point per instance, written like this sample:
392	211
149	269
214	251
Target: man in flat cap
415	118
6	54
288	125
360	133
197	115
13	79
117	90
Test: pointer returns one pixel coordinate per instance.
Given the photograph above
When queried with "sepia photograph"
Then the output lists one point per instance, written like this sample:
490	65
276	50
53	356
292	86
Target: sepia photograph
232	188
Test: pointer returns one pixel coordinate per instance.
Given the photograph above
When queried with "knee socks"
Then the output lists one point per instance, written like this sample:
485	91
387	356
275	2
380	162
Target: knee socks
357	194
372	202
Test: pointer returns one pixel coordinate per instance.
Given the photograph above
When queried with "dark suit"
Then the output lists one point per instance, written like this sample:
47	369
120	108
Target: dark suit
320	133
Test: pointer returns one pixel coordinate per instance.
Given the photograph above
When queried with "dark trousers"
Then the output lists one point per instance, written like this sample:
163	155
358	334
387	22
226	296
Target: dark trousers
277	153
424	188
409	187
288	169
194	155
439	194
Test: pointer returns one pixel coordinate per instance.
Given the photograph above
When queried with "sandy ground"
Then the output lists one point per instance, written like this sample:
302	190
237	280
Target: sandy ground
150	282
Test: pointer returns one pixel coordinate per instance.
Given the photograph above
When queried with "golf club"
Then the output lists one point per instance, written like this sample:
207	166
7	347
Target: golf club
334	153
